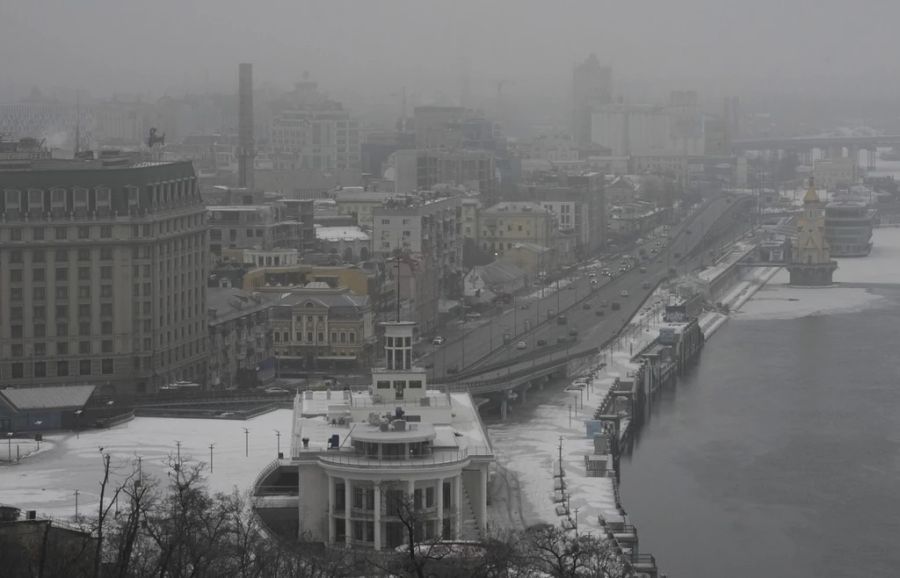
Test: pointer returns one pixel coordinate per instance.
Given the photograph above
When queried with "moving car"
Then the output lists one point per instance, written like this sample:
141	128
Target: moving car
521	345
438	340
623	293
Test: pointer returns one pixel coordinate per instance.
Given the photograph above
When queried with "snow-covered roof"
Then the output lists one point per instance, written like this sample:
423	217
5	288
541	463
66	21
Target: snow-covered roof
341	234
57	397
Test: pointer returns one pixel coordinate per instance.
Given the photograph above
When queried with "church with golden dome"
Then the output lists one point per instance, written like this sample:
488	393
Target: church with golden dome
811	263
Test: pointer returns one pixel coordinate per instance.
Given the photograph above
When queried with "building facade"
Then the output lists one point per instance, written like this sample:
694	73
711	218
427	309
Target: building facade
363	462
240	338
102	274
507	223
811	262
315	330
252	227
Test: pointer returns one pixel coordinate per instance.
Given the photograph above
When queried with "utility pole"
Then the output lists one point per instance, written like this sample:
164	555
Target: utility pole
278	443
178	446
76	505
211	446
246	442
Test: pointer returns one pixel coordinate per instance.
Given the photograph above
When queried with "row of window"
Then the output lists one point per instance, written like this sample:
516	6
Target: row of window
61	293
63	368
39	312
61	255
62	329
343	336
62	348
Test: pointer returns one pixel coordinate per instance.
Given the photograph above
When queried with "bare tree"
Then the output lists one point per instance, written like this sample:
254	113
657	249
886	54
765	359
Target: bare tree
561	554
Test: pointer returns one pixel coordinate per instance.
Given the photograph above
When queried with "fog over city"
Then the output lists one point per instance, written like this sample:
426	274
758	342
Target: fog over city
495	288
364	51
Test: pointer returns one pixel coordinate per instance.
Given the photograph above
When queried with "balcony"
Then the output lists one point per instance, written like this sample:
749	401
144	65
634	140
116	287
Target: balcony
437	457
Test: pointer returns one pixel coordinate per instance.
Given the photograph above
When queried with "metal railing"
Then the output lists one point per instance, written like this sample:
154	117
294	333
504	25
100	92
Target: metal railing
437	457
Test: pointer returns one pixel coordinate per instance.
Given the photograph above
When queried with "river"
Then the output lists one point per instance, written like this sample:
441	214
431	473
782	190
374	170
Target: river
779	454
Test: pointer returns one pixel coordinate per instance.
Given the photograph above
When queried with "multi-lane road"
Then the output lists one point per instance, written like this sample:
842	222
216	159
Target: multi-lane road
536	320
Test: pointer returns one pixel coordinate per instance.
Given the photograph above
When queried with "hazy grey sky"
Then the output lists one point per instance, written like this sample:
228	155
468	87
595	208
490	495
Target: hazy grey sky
370	46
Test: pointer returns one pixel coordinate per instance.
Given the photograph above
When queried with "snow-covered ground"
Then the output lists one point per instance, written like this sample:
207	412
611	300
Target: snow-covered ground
47	482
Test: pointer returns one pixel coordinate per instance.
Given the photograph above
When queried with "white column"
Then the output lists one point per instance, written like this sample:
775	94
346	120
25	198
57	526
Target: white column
331	512
440	508
458	505
348	496
377	540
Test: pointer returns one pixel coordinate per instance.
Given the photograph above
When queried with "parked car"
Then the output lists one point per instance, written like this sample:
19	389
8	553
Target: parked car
438	340
541	342
623	293
521	345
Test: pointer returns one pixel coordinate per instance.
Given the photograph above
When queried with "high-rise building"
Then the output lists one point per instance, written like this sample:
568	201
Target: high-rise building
102	274
591	86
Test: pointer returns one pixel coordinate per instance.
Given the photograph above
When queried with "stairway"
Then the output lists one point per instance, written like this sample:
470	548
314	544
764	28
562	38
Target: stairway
470	528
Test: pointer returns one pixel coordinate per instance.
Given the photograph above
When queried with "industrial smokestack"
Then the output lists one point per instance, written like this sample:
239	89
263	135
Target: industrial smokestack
246	152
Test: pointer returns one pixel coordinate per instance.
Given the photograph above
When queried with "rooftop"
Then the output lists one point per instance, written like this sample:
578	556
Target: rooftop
57	397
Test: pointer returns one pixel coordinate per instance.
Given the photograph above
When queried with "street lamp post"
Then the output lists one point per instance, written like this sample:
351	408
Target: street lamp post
211	446
9	436
76	504
278	443
78	423
246	442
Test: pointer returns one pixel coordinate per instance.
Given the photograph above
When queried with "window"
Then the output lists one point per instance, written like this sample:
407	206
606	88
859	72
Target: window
106	254
429	497
106	291
40	349
15	276
84	328
62	368
84	311
352	337
84	292
15	313
39	293
18	370
343	337
62	348
37	233
84	273
107	366
38	312
105	231
106	272
40	330
309	336
62	293
84	367
15	256
61	233
37	275
61	256
84	232
40	369
321	337
15	294
62	329
37	256
17	350
84	347
106	309
15	331
106	346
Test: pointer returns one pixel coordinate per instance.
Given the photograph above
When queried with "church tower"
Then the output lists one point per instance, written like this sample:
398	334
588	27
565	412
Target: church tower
811	263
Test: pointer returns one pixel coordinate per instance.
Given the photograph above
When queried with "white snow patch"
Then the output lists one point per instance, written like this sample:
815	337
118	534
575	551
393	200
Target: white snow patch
47	482
881	266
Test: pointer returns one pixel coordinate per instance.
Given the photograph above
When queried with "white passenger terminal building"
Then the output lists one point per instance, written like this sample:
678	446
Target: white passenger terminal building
361	461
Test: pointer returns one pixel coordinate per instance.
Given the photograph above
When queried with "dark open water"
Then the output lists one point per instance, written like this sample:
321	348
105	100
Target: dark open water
779	455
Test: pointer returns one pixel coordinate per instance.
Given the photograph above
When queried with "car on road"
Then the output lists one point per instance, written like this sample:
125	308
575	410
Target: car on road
562	320
643	269
645	285
592	275
623	293
438	340
541	342
473	316
277	390
521	345
616	306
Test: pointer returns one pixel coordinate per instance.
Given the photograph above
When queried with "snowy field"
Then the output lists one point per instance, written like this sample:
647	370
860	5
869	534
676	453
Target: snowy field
47	481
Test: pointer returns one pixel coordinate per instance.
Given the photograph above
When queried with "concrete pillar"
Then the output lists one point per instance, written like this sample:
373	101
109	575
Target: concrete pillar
459	510
377	539
348	497
331	512
440	508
